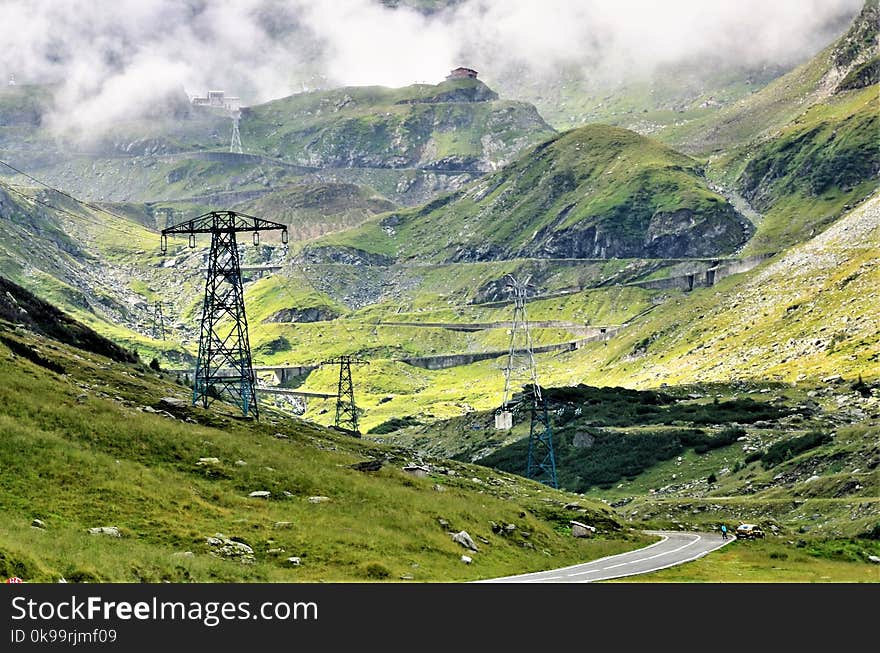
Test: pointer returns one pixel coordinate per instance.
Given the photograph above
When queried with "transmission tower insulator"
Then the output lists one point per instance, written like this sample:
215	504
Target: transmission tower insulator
224	368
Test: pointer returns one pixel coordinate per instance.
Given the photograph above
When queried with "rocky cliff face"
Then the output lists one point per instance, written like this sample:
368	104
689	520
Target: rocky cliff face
594	192
683	233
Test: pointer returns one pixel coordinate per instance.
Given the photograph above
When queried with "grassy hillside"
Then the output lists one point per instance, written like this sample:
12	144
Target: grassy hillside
803	149
76	429
458	124
799	318
803	314
666	99
761	114
806	175
593	192
101	268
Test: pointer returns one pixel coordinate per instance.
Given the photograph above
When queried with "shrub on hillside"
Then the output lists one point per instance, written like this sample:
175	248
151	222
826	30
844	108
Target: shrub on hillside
394	424
789	448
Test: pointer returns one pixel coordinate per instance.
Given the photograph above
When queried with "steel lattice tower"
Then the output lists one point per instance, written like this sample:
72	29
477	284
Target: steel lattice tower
224	368
346	408
522	372
235	143
158	323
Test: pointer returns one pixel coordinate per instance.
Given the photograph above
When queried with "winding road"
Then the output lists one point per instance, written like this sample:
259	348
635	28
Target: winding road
674	548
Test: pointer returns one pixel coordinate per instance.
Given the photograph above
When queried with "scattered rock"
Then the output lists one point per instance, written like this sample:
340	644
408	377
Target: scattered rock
319	499
510	527
81	398
183	554
463	538
294	561
281	436
812	478
283	524
240	463
407	577
112	531
367	466
582	530
874	559
467	559
482	539
223	547
208	462
38	523
173	402
438	488
260	494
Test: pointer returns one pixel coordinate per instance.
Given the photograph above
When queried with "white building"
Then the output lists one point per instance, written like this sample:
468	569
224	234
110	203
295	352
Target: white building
217	99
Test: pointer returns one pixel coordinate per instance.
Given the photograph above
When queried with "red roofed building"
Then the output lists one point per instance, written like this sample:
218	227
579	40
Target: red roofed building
462	73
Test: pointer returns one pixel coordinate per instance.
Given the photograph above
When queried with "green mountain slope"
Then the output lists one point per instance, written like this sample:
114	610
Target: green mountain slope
800	317
101	268
761	114
455	125
802	178
804	314
410	142
89	443
804	148
593	192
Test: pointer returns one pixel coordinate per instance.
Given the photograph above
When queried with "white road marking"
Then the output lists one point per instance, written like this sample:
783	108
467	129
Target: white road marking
663	538
671	564
582	573
537	577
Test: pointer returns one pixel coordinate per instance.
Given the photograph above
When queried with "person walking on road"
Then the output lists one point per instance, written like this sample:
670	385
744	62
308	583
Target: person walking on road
723	531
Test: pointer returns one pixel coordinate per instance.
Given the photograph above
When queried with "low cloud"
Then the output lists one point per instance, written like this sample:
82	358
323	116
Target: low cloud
111	59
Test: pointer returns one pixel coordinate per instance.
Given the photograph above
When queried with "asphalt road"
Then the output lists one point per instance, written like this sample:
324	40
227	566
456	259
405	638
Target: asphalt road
674	549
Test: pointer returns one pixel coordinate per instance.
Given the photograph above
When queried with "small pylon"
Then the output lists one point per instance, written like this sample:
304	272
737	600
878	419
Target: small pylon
522	371
346	408
235	143
158	322
541	462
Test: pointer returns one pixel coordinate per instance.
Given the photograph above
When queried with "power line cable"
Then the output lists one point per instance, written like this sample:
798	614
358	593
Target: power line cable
64	193
76	216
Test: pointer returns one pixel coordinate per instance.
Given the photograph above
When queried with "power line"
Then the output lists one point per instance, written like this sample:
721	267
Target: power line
64	193
75	216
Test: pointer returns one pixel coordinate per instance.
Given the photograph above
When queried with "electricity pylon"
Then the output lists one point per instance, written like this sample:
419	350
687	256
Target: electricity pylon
224	368
158	323
346	408
235	143
522	372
